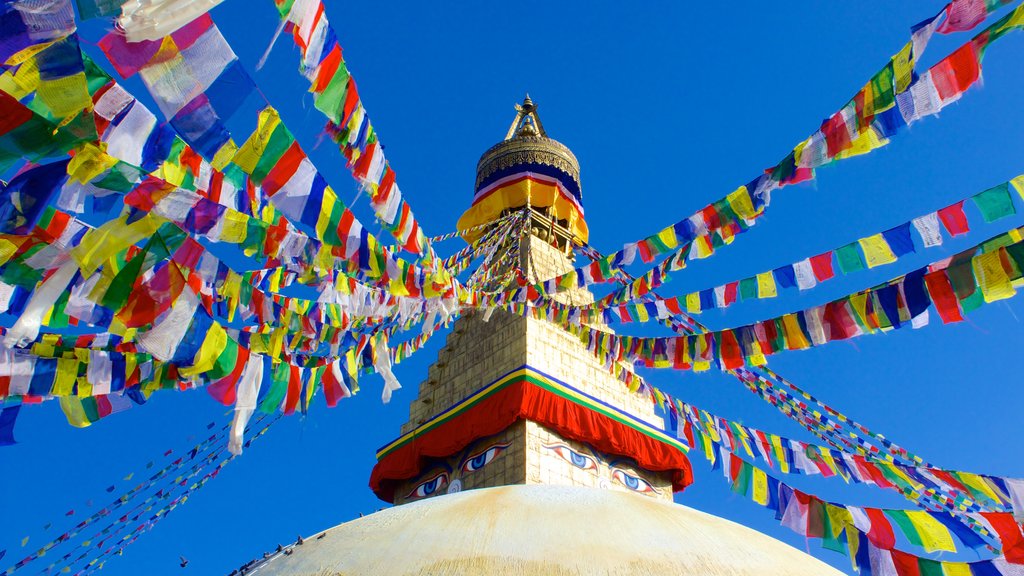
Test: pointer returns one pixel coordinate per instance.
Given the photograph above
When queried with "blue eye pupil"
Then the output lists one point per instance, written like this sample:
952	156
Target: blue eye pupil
632	482
429	487
578	460
478	462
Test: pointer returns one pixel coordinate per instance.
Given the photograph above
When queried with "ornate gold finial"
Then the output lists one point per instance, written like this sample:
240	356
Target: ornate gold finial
527	122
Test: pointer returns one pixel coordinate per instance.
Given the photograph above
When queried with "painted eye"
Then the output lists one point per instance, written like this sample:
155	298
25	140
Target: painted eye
483	458
634	483
430	486
581	461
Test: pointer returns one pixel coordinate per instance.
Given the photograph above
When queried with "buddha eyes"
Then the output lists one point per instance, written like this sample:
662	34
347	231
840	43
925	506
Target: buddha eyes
634	483
483	458
581	461
430	486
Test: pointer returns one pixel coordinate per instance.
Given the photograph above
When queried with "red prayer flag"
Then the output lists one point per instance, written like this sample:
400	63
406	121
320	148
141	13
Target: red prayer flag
906	564
291	400
730	292
837	134
957	72
284	169
881	534
942	295
1009	534
954	219
730	351
822	266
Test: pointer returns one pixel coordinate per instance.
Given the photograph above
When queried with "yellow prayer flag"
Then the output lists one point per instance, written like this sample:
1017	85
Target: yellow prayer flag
214	343
704	247
224	155
739	201
89	162
1018	184
72	408
795	339
693	303
66	376
780	454
934	536
668	238
839	518
992	278
876	250
863	142
330	199
766	285
956	569
65	96
234	227
249	153
7	249
903	67
760	482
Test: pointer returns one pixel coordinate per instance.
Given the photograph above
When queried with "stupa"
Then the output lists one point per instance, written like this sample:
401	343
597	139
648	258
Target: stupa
523	453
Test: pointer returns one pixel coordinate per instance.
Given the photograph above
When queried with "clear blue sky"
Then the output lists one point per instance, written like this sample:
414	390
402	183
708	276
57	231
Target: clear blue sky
667	107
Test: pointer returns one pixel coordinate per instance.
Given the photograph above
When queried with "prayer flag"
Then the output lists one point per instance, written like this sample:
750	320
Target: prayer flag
927	227
822	265
766	285
876	250
849	257
954	219
995	203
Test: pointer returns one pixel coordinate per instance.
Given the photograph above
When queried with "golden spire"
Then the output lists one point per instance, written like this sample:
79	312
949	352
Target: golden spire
527	122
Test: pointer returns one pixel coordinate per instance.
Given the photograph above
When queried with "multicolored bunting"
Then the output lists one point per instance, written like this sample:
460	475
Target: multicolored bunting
872	251
957	490
983	274
864	533
335	95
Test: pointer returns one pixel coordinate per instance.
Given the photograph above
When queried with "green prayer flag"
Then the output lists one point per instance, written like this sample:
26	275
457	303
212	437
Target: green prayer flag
995	203
906	526
828	540
742	483
278	143
278	389
926	567
748	288
332	100
882	90
850	258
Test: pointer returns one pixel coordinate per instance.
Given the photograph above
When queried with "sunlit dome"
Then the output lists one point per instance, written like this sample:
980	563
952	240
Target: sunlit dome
540	530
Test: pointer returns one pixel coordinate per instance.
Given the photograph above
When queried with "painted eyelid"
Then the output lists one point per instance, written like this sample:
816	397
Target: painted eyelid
644	486
591	463
441	478
497	448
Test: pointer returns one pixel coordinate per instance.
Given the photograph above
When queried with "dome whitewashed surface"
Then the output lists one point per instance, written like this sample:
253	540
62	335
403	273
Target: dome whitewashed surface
540	530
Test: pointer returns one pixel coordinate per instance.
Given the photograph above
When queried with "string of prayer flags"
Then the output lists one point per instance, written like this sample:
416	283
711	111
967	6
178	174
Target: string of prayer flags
950	489
986	273
869	252
867	535
812	517
336	96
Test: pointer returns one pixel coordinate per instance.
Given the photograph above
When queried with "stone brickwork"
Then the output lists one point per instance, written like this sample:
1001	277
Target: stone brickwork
476	353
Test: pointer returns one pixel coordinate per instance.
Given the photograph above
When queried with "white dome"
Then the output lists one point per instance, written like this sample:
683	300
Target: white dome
541	530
